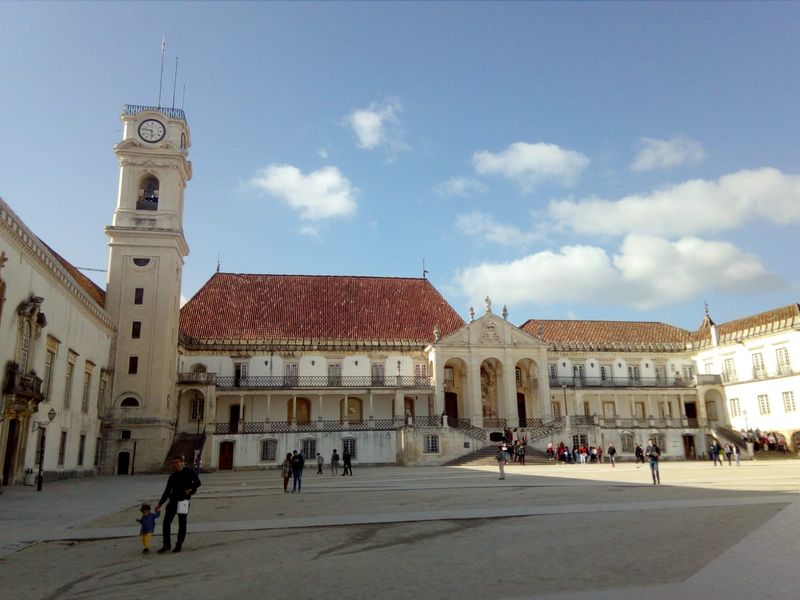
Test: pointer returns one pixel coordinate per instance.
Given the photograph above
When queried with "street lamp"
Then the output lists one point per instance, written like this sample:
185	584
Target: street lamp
43	426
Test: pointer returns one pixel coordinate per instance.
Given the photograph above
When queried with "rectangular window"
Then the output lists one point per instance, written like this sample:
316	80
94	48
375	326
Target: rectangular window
310	449
268	450
81	450
518	376
97	452
608	410
197	409
431	444
420	373
49	361
553	372
334	373
290	371
788	402
62	448
627	442
133	365
580	439
240	373
661	373
639	406
763	404
688	372
587	409
349	445
87	391
633	373
68	384
782	360
709	368
759	371
730	370
24	346
736	409
378	370
101	394
605	372
136	330
138	296
556	406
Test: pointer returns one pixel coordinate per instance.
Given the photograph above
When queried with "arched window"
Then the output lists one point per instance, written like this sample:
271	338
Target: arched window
148	194
198	368
658	439
129	402
627	442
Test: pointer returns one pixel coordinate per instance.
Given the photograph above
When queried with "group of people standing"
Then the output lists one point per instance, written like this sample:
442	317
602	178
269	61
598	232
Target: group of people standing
716	451
294	463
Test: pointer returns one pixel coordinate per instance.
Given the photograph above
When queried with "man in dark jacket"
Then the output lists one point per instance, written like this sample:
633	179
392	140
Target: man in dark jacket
181	485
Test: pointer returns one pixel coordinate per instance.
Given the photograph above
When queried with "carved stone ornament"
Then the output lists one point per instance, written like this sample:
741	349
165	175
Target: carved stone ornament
489	334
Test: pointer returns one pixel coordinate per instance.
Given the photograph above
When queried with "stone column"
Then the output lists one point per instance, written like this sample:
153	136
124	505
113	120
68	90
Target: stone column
472	400
399	407
545	409
371	406
294	410
438	393
319	417
509	390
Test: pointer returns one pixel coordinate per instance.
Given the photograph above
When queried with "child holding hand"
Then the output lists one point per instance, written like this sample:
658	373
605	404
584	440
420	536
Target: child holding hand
148	526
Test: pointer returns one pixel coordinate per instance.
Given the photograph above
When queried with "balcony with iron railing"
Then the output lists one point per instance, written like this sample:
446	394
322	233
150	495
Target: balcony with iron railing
23	385
259	427
324	381
135	109
620	382
758	375
199	378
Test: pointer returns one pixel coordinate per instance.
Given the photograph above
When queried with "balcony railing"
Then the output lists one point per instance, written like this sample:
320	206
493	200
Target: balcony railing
615	382
135	109
260	427
25	385
322	381
758	374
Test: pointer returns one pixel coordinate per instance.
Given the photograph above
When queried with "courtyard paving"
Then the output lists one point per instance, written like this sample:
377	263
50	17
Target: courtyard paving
546	531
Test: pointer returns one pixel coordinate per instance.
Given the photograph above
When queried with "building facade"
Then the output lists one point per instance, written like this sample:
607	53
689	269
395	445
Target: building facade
254	366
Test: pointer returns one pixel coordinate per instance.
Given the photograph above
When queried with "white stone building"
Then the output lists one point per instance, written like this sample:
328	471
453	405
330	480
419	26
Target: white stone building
254	366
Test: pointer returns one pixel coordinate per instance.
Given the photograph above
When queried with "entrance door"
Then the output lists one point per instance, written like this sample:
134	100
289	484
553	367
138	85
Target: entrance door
451	404
226	456
521	411
11	452
234	422
123	463
688	447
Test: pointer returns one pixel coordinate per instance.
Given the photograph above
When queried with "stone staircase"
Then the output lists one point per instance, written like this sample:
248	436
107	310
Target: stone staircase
184	445
486	457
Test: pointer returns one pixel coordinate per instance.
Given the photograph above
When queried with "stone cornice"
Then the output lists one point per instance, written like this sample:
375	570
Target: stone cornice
30	245
298	345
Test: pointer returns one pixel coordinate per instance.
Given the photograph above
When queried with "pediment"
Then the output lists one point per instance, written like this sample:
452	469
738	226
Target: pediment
490	330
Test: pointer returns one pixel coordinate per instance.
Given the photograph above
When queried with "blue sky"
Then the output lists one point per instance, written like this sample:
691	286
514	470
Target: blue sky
587	160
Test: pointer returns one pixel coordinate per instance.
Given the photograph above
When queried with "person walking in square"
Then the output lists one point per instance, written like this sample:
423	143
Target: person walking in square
348	463
653	454
639	454
298	462
502	459
320	462
286	471
335	462
148	526
612	454
181	485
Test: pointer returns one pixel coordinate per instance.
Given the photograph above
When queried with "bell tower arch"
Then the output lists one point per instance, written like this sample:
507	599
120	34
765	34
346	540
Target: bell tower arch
145	263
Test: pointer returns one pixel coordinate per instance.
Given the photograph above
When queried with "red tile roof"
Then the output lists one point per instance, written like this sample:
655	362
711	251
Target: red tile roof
94	291
234	306
769	321
598	335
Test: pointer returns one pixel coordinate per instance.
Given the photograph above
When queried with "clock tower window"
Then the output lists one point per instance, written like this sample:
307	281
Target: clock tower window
148	194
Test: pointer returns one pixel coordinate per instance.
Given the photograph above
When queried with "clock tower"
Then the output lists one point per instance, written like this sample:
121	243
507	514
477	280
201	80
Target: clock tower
145	263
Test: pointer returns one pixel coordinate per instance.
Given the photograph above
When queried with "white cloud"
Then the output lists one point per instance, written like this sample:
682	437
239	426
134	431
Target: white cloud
311	231
321	194
378	124
663	154
530	164
484	226
692	207
323	152
647	272
460	186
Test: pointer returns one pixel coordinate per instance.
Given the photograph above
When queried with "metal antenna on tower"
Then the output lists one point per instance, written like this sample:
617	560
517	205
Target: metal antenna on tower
175	82
161	76
424	270
183	97
217	262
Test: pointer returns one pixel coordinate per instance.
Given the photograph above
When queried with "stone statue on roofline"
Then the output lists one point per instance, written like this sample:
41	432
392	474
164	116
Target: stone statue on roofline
488	302
471	314
437	333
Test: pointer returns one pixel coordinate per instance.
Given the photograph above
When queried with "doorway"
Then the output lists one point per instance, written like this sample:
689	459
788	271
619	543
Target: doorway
689	452
521	410
691	413
226	456
451	404
123	463
9	464
235	416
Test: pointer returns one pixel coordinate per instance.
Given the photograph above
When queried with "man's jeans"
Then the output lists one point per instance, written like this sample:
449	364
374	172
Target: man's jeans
169	514
654	471
297	480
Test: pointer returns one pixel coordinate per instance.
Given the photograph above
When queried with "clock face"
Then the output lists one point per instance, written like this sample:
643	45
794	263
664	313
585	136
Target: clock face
152	131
